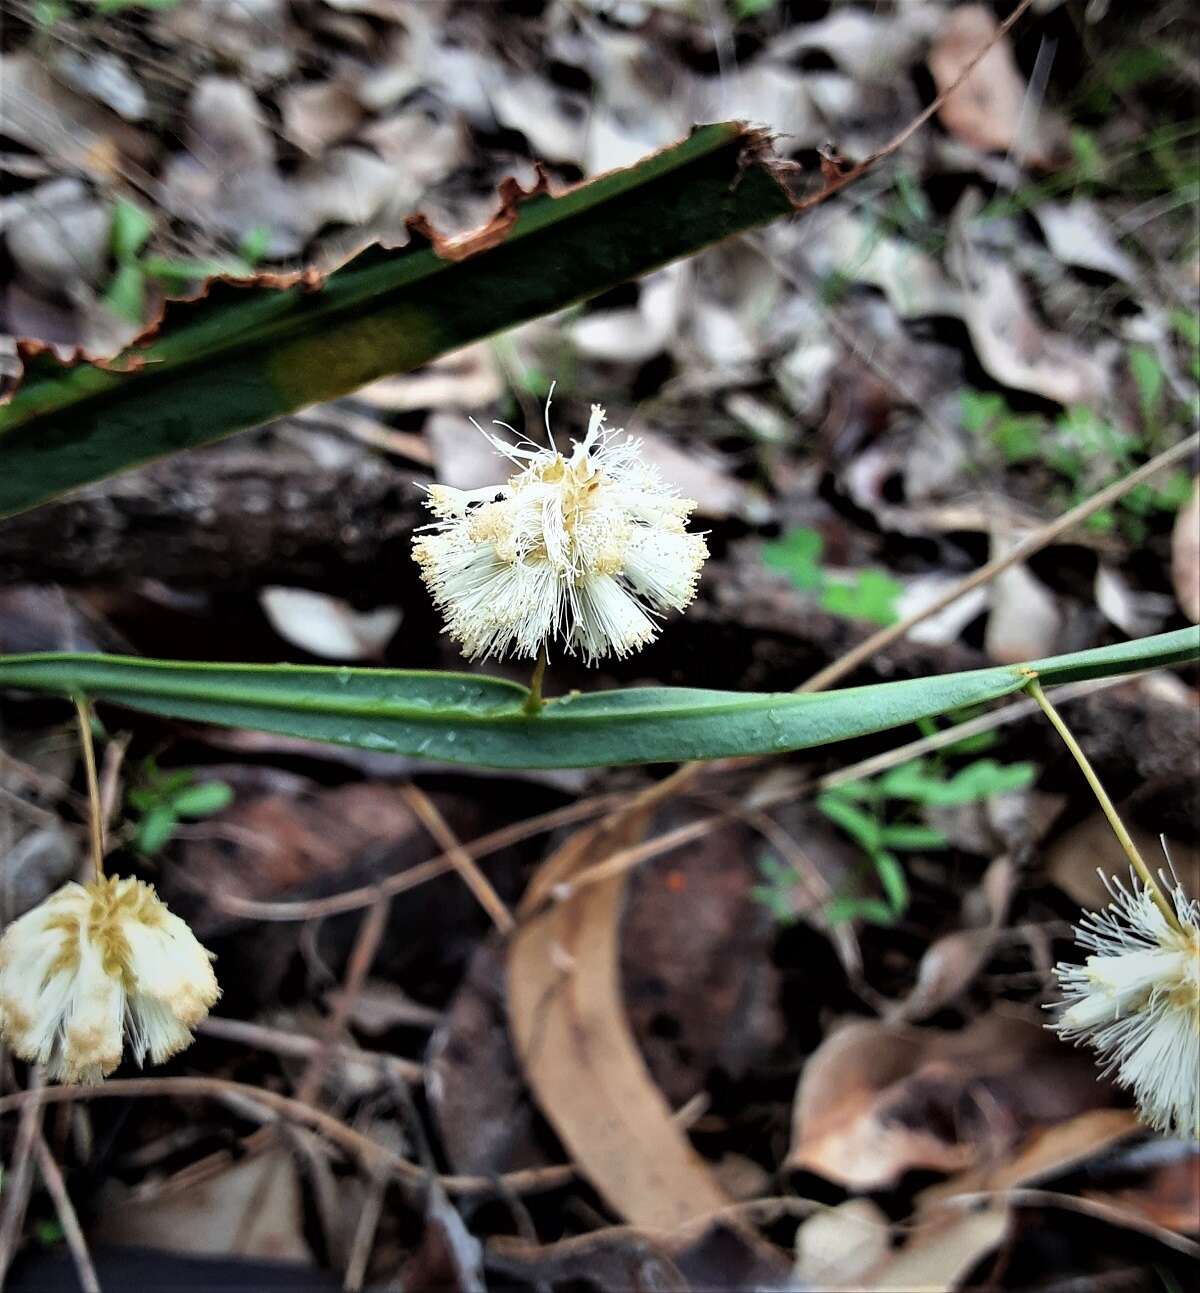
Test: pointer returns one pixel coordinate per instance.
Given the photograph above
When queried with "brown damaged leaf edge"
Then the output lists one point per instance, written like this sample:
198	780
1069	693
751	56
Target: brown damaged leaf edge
243	352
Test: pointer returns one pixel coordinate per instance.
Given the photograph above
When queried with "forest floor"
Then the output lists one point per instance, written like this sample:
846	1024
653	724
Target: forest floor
868	402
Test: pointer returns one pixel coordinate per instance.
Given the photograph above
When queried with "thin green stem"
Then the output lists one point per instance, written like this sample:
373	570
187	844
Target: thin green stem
83	711
534	702
1034	688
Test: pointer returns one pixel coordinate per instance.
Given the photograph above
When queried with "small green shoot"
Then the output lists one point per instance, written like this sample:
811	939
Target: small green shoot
48	1232
775	893
878	815
743	9
161	799
120	6
130	229
868	595
1086	451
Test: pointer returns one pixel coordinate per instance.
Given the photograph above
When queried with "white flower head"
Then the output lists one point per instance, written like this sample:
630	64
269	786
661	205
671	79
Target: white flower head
587	549
1137	1002
97	963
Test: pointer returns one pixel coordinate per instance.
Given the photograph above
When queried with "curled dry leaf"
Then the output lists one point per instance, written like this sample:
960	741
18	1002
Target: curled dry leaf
993	109
1185	555
1076	858
708	1256
1024	619
1078	234
255	1205
574	1042
849	1247
1011	343
951	962
876	1100
327	626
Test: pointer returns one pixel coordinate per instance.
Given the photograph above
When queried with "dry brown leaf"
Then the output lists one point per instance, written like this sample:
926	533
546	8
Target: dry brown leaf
1078	234
318	113
1010	341
848	1247
328	626
991	110
1024	619
1185	555
1049	1152
1167	1196
1076	858
463	379
570	1032
876	1100
836	1247
952	961
252	1208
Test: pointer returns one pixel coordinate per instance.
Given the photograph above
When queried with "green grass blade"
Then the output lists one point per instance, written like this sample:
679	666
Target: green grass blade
464	718
249	352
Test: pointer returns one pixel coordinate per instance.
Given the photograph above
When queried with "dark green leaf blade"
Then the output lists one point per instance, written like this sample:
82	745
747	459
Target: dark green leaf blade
250	352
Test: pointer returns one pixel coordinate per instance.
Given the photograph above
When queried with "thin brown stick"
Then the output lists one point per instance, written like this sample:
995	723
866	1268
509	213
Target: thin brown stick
479	885
897	141
1026	548
362	957
364	1234
277	1041
352	899
72	1231
19	1181
242	1095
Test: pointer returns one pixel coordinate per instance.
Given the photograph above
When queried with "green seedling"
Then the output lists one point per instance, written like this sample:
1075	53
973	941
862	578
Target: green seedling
162	798
868	595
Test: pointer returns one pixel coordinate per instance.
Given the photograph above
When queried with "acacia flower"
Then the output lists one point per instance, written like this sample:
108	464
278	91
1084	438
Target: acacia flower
1137	1002
97	963
587	549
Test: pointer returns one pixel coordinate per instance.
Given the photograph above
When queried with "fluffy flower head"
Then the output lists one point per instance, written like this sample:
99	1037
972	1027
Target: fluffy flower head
1137	1001
97	963
587	549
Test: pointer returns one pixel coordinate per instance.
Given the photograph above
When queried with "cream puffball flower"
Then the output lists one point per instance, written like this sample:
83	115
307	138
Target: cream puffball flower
587	549
1137	1002
97	963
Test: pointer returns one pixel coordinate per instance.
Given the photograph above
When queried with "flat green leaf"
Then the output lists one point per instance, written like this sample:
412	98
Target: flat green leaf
798	555
862	826
252	351
907	837
893	880
154	830
465	718
202	800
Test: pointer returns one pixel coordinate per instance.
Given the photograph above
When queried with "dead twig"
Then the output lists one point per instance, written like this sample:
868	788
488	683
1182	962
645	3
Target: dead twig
1032	543
297	1046
19	1181
352	899
245	1097
479	885
897	141
72	1231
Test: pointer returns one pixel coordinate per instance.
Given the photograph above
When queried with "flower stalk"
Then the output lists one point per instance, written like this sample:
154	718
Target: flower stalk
534	702
1144	874
83	712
